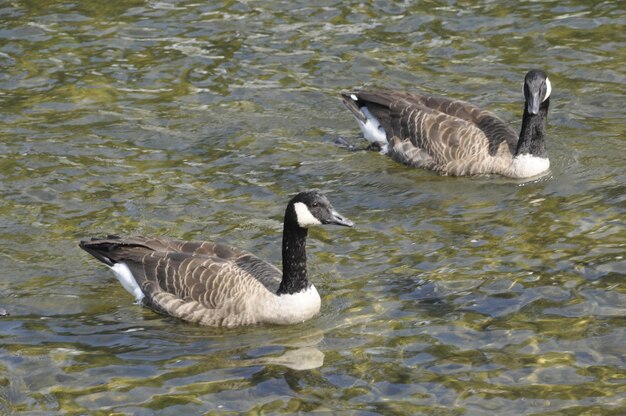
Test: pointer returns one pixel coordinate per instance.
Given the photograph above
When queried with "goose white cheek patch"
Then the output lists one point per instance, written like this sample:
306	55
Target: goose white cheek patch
304	216
548	89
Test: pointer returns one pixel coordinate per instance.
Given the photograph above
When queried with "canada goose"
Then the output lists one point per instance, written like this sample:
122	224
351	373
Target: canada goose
220	285
455	137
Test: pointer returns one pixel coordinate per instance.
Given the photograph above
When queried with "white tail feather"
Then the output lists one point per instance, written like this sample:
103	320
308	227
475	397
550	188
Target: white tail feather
372	130
126	278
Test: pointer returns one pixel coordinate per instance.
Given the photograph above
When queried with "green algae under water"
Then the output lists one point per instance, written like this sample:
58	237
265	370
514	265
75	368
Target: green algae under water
198	120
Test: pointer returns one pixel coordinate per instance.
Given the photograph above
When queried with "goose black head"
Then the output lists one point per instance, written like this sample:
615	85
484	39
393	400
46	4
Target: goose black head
312	208
537	89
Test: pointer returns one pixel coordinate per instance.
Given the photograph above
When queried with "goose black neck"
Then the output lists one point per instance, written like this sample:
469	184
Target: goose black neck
294	259
533	133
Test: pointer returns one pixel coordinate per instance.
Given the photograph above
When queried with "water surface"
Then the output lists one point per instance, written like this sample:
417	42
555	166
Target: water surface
198	120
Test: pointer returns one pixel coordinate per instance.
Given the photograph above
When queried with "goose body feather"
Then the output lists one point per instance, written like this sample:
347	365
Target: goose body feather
207	283
217	284
449	136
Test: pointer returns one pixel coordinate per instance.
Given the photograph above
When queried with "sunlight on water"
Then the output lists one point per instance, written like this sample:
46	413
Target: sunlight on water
198	120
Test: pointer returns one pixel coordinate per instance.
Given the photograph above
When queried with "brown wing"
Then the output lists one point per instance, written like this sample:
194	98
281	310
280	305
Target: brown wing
263	271
209	275
495	130
451	136
388	105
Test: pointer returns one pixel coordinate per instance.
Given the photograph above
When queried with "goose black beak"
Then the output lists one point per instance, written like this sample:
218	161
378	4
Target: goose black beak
338	219
532	103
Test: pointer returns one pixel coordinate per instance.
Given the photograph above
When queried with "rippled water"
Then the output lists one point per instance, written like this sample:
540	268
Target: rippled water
198	120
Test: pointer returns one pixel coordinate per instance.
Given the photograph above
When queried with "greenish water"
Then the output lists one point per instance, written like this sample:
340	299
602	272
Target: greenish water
198	120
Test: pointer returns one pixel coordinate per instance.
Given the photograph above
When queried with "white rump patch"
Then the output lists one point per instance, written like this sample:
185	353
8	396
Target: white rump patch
548	89
126	278
372	130
304	216
526	166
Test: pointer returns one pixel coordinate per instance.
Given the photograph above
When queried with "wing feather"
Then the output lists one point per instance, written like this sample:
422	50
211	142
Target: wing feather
195	281
451	136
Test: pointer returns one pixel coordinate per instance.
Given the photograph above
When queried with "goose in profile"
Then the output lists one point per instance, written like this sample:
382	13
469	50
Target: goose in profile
219	285
454	137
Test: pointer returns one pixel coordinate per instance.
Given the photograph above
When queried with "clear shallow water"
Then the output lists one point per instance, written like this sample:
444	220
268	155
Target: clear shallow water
198	121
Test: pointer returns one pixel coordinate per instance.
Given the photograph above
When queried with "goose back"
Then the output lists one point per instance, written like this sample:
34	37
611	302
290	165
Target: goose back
454	137
217	284
208	283
450	136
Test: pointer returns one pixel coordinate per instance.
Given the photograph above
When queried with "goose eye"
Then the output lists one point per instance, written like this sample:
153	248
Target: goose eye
314	204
